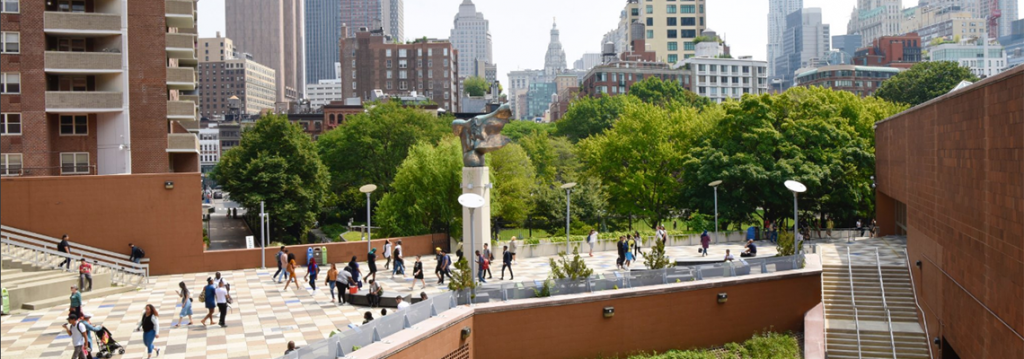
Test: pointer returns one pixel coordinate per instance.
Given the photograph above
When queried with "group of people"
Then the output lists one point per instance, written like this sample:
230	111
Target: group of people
628	248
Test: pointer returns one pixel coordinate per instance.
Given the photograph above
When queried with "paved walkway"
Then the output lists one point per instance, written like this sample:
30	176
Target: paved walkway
264	317
862	251
226	232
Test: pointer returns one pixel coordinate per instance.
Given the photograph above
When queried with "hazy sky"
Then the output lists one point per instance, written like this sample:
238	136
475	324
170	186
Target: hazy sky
519	28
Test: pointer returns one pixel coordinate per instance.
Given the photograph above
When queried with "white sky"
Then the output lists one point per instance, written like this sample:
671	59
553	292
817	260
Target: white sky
519	28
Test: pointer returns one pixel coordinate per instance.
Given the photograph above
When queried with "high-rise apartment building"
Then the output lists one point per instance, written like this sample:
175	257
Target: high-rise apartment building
97	87
875	18
373	65
777	12
271	30
323	30
554	59
804	44
471	35
670	26
374	14
225	76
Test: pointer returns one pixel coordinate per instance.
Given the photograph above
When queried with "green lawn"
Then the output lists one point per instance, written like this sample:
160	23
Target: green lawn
768	345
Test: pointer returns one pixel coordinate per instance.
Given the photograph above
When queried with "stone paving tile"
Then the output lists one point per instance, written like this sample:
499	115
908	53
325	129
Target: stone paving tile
263	318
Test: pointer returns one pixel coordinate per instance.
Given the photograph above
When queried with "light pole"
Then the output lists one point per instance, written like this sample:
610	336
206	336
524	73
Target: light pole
795	187
568	189
472	201
715	186
368	189
263	234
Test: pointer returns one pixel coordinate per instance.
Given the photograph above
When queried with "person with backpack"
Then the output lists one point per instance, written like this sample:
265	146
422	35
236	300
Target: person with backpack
490	258
371	264
630	243
506	262
65	247
591	241
186	304
311	273
446	266
137	254
399	266
76	330
620	248
282	258
481	266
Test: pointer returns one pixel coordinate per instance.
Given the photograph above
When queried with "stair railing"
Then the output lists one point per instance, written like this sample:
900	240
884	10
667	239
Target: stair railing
923	316
853	299
885	305
42	252
824	308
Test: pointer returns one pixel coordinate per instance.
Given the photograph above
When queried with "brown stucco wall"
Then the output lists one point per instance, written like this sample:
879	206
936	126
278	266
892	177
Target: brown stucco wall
675	316
108	212
957	162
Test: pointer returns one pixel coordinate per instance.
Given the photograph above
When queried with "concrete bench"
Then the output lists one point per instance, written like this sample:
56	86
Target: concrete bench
699	261
387	299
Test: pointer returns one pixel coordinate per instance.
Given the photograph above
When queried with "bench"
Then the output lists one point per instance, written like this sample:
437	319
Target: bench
699	261
387	300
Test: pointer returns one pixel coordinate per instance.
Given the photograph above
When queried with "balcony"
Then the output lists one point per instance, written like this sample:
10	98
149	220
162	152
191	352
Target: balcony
181	110
82	62
182	143
180	14
81	23
181	46
181	78
93	101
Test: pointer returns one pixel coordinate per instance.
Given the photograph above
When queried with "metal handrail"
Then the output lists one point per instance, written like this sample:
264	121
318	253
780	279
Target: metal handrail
824	308
853	299
52	242
885	305
923	316
40	255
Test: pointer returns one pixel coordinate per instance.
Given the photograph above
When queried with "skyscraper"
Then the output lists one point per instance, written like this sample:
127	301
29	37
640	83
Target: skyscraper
372	14
875	18
271	30
471	35
323	28
777	11
669	26
554	60
804	44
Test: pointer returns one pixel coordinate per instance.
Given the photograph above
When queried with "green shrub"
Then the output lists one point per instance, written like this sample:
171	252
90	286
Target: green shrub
765	345
785	245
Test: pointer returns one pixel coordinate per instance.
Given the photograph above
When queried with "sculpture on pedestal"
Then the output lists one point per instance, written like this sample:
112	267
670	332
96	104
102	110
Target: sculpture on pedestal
482	134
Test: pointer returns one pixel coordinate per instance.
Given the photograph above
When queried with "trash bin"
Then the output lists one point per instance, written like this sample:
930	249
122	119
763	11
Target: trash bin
318	254
7	302
309	255
323	254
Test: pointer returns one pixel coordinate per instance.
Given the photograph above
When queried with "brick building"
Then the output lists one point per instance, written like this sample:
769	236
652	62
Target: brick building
371	61
95	87
224	73
950	177
892	51
615	78
861	80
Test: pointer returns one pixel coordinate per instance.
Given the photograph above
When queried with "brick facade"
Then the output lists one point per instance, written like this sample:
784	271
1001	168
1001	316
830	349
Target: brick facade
957	165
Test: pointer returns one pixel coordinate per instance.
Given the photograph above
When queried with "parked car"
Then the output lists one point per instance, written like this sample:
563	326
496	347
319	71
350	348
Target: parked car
218	195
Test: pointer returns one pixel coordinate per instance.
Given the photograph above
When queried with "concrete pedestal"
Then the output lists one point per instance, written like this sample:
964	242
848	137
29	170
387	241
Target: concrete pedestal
476	180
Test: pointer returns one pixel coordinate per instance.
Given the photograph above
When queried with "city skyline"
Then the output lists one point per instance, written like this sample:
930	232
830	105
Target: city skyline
520	31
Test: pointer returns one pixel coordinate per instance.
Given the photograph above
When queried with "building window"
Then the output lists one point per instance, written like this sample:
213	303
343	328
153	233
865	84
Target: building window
74	163
10	83
71	45
353	74
634	12
672	34
671	21
419	74
389	63
446	51
389	85
673	46
673	58
688	34
10	124
687	9
687	21
76	125
11	6
430	52
650	21
353	85
671	9
403	75
71	6
12	43
387	52
402	86
402	52
419	52
402	64
650	9
11	165
650	34
353	62
689	46
389	74
430	63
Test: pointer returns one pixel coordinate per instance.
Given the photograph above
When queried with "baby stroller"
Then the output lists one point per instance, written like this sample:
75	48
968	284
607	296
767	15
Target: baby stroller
107	344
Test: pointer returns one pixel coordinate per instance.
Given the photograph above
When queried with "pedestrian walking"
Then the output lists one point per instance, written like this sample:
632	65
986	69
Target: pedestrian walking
481	266
417	274
829	224
621	249
186	304
85	275
332	279
860	227
65	247
490	258
437	268
506	260
76	302
282	260
446	266
312	270
86	320
874	228
223	299
371	264
76	329
209	299
630	243
356	273
343	282
373	293
705	241
591	241
638	242
399	267
150	327
512	245
387	254
137	254
291	275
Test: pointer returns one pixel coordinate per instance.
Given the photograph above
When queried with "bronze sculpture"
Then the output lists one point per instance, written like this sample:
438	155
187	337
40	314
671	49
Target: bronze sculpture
482	134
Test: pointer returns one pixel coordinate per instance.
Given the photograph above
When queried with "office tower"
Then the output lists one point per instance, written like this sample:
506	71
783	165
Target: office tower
471	35
374	14
777	11
271	30
323	30
804	44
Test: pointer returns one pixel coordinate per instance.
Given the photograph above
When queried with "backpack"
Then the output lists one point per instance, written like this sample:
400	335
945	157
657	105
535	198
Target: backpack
142	253
61	246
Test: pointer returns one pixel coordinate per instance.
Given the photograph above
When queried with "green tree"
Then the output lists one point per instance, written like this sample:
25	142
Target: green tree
513	183
923	82
571	269
476	86
277	163
425	192
656	257
639	160
370	146
552	157
653	90
589	116
516	130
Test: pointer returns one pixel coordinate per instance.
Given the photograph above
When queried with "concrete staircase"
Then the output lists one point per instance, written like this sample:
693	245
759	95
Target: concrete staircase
842	323
38	286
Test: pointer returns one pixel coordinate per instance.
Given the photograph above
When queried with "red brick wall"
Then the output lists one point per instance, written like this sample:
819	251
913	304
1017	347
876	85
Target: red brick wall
147	38
34	144
958	164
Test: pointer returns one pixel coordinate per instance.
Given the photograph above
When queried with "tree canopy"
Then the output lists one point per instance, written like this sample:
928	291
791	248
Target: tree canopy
424	195
276	162
923	82
654	91
476	86
589	116
513	175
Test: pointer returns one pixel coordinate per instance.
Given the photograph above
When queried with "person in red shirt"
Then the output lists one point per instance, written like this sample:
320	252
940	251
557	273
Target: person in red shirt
85	275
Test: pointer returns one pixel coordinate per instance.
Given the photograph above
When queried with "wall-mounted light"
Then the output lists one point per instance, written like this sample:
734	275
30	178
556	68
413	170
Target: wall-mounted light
918	264
466	332
609	312
722	298
169	185
938	341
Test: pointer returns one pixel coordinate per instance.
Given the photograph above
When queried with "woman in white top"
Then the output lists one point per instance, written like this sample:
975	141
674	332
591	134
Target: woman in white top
592	240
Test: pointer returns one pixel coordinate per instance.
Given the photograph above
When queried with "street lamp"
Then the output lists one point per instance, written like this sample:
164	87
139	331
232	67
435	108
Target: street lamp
472	201
368	189
568	189
795	187
715	186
